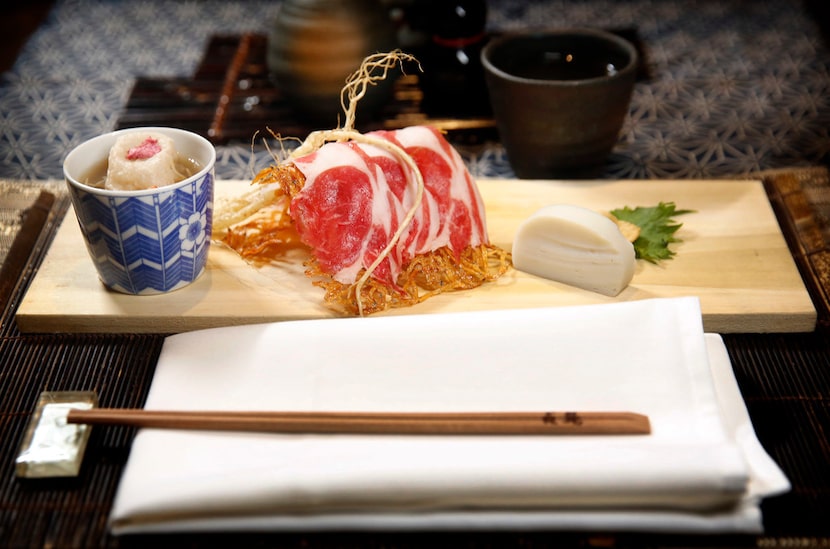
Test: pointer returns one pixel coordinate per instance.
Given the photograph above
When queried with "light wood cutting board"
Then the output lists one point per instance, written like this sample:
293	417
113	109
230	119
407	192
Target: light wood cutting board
733	256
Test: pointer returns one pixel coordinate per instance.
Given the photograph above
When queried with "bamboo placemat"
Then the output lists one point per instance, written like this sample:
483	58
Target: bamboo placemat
801	200
230	94
233	72
784	378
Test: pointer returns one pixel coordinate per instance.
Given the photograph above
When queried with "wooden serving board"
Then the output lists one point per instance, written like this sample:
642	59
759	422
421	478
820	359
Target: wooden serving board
733	256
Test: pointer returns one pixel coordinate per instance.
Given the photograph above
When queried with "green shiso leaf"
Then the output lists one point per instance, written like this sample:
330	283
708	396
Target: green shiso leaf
657	228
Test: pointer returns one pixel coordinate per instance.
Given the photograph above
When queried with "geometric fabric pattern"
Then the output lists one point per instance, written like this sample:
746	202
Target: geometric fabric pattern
148	243
732	87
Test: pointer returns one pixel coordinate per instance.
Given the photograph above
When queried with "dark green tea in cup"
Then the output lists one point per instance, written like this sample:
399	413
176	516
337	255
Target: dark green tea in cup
572	61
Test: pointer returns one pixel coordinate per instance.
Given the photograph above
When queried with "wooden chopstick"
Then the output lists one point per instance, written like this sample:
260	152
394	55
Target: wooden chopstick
449	423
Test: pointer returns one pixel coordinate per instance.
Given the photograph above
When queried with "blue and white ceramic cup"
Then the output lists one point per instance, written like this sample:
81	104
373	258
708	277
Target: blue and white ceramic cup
145	241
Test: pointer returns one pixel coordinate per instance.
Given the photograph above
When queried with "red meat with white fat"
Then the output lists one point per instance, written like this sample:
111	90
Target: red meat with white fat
356	195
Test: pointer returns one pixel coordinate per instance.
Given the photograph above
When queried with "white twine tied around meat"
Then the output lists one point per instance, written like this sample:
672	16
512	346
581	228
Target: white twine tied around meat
373	69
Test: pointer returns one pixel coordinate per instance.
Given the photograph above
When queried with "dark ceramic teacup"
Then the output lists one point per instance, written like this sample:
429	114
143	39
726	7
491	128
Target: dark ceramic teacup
560	98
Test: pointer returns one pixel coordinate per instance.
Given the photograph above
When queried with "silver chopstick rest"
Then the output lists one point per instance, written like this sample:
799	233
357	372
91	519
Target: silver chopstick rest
51	447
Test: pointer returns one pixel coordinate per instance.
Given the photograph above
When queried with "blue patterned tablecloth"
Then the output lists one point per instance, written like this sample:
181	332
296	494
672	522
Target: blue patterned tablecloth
735	86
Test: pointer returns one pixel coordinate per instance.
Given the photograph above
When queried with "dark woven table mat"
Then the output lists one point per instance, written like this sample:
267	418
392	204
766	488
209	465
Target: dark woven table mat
230	98
801	200
785	380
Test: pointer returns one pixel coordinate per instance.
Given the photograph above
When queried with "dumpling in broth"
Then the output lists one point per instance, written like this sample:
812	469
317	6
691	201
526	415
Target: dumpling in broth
141	161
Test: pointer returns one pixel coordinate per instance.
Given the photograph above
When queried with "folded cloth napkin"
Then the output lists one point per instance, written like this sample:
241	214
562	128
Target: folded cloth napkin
701	468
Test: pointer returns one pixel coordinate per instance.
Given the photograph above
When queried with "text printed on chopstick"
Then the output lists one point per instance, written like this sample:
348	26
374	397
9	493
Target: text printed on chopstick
571	418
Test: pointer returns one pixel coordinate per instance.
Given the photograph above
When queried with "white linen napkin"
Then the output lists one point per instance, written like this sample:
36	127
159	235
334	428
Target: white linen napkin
701	469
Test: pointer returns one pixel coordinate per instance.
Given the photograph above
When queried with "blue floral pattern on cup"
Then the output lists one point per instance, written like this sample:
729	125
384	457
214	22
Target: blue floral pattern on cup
148	243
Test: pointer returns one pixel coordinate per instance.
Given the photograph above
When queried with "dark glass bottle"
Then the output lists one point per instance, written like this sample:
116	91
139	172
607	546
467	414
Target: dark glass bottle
453	78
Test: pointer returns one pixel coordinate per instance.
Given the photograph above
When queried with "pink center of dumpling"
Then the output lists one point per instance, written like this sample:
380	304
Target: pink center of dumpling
148	148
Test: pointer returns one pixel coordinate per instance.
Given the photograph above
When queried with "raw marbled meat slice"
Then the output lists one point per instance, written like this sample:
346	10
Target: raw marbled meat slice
355	195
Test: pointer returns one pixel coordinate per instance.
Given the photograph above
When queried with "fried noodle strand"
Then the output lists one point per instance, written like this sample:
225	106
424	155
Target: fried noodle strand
258	226
426	276
268	235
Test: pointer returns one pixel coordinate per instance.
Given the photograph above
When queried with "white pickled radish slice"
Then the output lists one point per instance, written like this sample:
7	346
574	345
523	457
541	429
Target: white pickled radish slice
576	246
